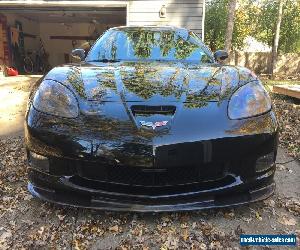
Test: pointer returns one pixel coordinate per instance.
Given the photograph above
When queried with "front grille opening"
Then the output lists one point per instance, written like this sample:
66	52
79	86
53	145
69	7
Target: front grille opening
138	176
155	190
146	109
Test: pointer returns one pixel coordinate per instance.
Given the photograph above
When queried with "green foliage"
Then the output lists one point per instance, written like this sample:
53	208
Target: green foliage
290	32
289	40
215	23
267	15
290	29
245	22
256	18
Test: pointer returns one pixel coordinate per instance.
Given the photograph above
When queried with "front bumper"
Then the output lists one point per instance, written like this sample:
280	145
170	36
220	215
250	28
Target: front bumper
67	190
208	164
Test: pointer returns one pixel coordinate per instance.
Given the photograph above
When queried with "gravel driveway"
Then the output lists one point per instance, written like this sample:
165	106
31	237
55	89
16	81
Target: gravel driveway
27	223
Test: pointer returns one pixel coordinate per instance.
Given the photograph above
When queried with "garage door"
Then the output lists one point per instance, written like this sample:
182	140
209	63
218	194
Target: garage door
46	35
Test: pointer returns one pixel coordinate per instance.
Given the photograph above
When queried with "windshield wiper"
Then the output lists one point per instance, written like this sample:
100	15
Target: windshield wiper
105	61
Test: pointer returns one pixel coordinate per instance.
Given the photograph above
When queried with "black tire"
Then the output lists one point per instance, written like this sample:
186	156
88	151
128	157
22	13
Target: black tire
28	65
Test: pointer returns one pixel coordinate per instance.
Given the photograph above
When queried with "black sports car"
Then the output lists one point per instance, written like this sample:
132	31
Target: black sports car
150	121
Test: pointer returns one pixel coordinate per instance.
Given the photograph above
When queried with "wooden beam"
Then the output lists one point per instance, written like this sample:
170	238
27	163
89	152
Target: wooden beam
289	90
72	37
29	35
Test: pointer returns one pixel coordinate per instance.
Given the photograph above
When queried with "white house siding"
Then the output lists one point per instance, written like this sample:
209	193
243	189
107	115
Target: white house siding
182	13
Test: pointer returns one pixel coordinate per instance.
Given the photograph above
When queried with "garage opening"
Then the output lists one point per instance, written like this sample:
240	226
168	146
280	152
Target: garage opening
33	41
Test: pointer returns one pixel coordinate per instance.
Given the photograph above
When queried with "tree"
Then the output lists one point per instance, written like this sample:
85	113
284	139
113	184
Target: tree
266	16
245	22
255	18
216	13
290	27
230	24
276	36
215	23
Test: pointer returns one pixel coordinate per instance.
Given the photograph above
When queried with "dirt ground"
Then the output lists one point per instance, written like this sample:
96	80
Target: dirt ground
28	223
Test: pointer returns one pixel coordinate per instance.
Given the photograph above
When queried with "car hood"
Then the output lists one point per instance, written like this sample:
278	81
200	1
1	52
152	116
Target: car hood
151	82
135	111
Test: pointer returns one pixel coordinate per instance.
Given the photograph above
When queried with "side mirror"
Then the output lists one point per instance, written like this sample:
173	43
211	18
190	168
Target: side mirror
79	53
220	55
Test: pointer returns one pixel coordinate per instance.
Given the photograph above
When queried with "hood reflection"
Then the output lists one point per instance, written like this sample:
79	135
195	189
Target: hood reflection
193	85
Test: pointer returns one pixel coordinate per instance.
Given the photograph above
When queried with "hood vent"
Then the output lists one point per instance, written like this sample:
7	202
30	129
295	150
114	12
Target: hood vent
151	110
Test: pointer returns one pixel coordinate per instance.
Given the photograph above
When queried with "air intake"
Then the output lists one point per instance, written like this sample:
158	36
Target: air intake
151	110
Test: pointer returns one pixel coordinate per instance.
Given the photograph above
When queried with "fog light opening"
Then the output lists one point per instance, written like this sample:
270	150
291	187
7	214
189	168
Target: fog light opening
38	162
265	162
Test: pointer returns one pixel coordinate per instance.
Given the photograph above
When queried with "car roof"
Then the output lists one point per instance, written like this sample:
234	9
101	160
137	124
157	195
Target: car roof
149	27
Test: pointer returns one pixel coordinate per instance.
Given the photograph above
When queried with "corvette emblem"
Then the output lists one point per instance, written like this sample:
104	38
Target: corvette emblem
154	125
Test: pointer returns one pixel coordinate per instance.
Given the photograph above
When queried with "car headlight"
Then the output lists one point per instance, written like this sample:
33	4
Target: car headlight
249	100
55	99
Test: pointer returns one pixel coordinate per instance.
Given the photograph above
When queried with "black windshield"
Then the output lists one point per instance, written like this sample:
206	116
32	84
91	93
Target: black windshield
132	44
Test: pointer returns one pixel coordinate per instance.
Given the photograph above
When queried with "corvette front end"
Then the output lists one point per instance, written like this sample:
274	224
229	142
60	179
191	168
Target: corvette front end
151	135
213	162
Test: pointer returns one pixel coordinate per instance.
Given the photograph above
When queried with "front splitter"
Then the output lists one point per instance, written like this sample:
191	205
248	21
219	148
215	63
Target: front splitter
113	205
